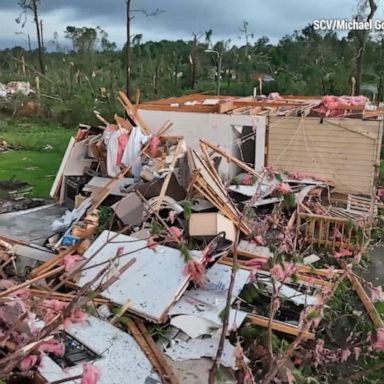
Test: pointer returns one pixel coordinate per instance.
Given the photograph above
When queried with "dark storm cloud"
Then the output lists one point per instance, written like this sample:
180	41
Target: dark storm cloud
272	18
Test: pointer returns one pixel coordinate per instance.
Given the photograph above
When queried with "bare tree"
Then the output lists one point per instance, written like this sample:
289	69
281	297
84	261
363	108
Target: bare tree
362	36
129	18
247	35
193	58
33	7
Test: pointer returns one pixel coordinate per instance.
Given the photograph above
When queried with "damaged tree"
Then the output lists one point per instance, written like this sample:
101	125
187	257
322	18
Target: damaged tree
361	38
245	265
33	6
128	46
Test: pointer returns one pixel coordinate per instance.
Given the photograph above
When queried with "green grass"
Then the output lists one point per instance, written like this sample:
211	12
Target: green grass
35	136
32	163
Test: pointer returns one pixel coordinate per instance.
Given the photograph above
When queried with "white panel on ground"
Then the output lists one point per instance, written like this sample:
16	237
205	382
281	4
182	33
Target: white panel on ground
121	359
152	283
194	326
197	348
208	302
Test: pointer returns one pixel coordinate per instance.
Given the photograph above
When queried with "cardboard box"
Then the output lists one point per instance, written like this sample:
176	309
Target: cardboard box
210	224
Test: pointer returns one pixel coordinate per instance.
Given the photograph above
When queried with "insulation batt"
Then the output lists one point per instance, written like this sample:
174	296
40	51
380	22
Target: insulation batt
70	261
196	271
377	340
52	307
91	374
330	105
28	362
53	346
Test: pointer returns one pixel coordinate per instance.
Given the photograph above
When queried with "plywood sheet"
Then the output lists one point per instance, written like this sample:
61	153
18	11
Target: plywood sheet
59	174
77	160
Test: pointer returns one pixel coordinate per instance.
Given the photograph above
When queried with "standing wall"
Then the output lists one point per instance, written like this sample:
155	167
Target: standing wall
346	151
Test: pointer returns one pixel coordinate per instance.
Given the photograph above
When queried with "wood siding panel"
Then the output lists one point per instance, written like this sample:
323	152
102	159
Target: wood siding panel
344	150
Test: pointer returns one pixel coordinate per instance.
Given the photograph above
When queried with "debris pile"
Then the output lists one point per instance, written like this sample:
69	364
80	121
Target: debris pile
162	268
15	196
16	87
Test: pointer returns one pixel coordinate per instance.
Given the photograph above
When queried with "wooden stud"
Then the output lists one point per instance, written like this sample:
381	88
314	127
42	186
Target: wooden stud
279	326
121	312
372	312
31	281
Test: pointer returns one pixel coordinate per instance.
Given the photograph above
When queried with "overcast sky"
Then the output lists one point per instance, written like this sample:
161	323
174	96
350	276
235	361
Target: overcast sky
272	18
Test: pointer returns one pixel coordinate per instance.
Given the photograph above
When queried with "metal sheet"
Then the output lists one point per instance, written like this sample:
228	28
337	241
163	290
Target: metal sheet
152	283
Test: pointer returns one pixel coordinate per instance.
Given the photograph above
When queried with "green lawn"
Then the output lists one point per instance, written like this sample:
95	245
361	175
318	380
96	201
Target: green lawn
33	162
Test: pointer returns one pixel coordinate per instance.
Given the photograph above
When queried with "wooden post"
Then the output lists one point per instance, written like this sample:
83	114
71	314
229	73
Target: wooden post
23	64
37	81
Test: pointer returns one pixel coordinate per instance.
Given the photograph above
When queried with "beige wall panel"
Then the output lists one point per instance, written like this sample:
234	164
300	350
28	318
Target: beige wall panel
344	150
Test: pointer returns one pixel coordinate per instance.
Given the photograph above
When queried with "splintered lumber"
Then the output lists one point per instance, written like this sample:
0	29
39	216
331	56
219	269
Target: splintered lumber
123	123
229	157
207	183
132	111
279	326
311	280
121	311
53	262
167	180
148	346
372	312
31	281
63	296
101	118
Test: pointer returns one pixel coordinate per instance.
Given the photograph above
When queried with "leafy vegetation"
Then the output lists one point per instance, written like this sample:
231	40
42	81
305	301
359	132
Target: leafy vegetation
87	75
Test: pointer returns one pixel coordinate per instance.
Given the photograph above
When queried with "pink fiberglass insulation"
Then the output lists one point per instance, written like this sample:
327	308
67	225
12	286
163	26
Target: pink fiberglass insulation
70	261
53	346
335	106
91	374
51	308
28	362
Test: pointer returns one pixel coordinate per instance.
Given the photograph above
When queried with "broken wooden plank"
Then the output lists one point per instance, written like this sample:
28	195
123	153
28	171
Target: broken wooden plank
31	281
230	158
149	347
370	308
121	311
53	262
167	180
279	326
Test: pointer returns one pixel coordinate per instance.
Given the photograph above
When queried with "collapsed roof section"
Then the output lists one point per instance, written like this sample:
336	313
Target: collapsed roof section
337	138
274	105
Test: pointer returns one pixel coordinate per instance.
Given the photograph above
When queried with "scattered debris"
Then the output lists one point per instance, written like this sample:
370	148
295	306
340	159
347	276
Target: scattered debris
182	261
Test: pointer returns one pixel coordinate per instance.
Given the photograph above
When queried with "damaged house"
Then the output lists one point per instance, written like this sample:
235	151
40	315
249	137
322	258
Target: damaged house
190	223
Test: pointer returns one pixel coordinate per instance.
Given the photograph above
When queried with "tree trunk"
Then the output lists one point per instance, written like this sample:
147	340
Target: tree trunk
380	89
129	52
362	39
193	76
39	43
359	68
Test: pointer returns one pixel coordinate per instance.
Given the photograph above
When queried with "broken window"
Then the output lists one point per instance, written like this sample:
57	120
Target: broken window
75	352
